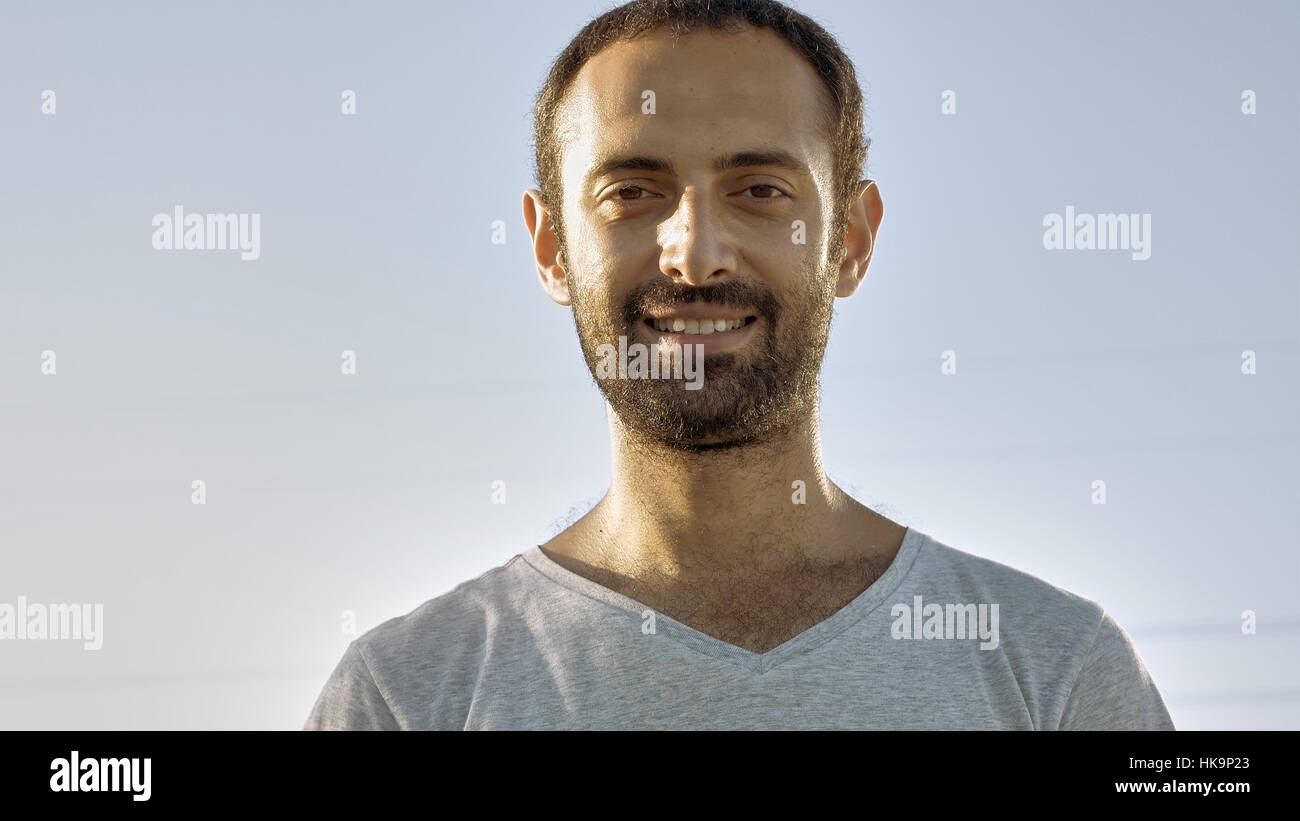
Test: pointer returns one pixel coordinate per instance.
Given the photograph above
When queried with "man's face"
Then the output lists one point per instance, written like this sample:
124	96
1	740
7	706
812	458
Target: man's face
686	237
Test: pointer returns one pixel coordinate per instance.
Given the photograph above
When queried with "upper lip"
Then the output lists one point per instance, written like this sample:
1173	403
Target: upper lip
698	310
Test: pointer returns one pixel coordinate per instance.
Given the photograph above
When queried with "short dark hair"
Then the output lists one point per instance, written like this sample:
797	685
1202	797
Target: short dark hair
842	124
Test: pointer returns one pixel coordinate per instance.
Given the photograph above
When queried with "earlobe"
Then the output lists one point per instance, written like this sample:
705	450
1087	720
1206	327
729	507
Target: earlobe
558	283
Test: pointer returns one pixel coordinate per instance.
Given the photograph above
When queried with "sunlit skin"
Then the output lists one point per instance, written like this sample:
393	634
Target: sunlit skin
699	522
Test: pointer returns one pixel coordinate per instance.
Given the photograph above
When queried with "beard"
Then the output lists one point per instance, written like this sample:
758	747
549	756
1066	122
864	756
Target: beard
749	395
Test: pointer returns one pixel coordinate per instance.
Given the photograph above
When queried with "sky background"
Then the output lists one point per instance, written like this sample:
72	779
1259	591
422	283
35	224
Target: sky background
371	493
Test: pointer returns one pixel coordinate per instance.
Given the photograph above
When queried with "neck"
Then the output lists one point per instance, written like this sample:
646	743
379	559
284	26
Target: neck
724	511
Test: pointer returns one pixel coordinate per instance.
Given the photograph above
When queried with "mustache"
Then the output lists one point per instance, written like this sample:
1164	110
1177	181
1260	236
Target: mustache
663	294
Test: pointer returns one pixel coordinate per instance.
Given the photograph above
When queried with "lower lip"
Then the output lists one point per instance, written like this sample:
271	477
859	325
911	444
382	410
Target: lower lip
716	342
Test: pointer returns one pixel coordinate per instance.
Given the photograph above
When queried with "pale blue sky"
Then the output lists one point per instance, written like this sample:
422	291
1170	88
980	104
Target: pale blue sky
371	493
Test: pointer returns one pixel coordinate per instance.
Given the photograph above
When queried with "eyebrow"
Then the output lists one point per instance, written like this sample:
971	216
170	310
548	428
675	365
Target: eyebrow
741	159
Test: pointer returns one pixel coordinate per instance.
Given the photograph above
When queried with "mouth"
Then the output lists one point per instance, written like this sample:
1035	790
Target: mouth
724	331
682	326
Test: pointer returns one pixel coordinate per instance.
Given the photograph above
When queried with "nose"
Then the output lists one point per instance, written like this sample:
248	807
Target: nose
696	246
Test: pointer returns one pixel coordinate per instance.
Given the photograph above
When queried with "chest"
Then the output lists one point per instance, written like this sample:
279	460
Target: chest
758	612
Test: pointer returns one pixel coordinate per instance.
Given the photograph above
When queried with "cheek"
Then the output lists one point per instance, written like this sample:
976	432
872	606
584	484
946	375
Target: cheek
614	266
593	285
783	258
593	249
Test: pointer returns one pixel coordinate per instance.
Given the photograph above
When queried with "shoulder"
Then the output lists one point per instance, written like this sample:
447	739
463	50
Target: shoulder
1039	632
459	617
416	671
1073	662
1029	601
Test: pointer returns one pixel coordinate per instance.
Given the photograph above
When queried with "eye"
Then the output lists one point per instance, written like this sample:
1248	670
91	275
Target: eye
632	188
771	192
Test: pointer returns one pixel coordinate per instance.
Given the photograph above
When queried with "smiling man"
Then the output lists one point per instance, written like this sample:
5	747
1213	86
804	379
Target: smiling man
699	184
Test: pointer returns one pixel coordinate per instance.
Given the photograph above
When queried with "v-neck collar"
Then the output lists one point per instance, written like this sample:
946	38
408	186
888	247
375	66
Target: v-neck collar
815	636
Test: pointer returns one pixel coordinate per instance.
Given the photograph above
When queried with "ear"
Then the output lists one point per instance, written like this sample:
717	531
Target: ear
860	237
546	248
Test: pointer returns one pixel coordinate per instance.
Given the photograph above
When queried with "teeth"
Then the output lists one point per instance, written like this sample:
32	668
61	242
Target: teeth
697	326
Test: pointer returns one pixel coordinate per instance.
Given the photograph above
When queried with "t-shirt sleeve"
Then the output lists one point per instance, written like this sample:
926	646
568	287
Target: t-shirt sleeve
350	699
1113	690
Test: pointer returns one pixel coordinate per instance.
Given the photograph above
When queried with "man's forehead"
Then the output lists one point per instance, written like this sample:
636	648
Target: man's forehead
706	91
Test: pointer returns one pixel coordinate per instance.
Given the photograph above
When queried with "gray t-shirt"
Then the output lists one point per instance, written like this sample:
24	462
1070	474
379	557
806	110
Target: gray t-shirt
942	640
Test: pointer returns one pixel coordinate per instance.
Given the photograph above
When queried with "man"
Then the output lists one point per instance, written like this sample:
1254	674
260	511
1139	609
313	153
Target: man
698	168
